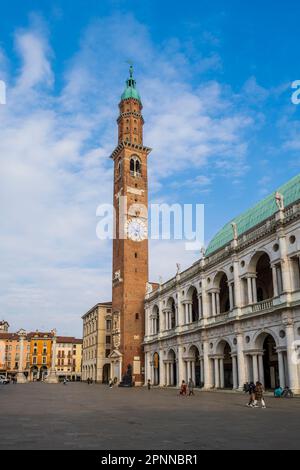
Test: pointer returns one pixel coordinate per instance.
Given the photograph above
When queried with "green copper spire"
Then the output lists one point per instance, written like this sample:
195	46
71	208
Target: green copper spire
130	90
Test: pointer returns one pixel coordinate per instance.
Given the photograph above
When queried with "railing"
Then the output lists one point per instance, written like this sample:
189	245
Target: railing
261	306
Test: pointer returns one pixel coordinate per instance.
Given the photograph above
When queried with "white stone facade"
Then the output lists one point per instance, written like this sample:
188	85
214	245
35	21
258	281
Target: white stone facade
97	340
233	316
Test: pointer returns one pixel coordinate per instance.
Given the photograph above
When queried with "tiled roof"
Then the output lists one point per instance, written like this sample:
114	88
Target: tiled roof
256	215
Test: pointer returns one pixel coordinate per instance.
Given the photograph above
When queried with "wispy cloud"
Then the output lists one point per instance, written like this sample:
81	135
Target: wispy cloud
55	169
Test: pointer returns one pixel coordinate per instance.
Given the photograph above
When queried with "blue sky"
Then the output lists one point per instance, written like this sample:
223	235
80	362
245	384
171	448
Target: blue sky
215	80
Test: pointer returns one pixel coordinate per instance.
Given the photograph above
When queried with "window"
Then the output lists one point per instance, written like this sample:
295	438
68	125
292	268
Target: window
135	166
44	360
137	316
107	340
108	325
107	352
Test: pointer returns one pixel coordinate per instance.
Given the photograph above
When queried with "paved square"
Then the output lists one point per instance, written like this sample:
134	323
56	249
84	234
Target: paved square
81	416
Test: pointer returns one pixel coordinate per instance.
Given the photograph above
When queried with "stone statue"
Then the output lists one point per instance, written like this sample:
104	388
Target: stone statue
235	230
149	288
178	267
279	201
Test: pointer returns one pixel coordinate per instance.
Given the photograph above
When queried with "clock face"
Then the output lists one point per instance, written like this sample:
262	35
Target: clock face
136	230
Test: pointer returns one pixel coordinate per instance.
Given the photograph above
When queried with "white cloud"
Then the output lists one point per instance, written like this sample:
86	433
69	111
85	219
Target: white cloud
55	169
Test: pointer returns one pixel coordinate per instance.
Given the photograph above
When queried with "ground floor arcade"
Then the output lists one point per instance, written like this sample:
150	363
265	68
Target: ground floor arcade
227	363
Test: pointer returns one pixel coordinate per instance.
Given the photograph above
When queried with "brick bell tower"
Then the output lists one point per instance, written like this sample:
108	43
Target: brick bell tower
130	245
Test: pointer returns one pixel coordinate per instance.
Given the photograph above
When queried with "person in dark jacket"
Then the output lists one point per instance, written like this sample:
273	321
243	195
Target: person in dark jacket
251	391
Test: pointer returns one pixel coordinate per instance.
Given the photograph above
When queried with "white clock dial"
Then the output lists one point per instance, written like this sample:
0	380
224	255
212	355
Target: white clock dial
136	230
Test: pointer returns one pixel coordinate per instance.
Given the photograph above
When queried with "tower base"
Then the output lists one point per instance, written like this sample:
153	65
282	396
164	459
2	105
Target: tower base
21	378
52	378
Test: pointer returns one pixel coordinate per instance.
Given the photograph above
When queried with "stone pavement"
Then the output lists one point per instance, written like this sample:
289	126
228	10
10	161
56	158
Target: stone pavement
81	416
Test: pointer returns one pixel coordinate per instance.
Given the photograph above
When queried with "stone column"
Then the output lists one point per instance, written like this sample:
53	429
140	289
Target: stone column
250	297
254	290
52	377
217	373
291	358
161	369
285	264
190	312
261	369
275	282
181	366
180	307
255	368
218	303
205	300
222	379
200	306
193	364
21	379
234	372
241	361
281	369
230	295
208	379
149	366
237	282
213	296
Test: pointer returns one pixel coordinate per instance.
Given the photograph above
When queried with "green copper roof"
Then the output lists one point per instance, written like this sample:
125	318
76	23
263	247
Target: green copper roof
256	215
130	90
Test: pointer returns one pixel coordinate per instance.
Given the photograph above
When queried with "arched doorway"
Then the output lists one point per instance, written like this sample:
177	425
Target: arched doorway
43	373
172	306
228	375
270	362
156	369
264	280
224	295
171	369
106	373
192	313
225	366
34	371
260	281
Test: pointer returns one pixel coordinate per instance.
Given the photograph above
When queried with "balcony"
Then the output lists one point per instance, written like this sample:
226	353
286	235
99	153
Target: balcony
262	306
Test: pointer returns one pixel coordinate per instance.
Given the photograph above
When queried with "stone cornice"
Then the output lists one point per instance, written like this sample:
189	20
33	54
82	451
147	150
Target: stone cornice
131	146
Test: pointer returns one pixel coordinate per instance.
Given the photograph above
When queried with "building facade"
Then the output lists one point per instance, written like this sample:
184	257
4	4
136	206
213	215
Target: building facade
97	344
29	356
10	355
68	358
234	316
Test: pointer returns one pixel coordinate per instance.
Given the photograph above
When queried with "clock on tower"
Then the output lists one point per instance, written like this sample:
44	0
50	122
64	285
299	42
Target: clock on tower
130	246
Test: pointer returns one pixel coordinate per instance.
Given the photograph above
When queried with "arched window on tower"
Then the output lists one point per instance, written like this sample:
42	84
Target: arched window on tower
135	166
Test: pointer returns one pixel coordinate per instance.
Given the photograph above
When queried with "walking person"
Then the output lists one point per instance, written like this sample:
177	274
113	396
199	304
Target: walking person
149	384
191	387
259	395
251	391
183	389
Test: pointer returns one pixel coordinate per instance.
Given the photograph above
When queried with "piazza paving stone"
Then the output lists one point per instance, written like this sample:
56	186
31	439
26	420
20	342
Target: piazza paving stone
81	416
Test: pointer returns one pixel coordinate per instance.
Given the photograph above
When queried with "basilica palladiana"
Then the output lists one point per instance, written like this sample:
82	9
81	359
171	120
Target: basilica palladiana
234	316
